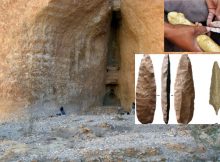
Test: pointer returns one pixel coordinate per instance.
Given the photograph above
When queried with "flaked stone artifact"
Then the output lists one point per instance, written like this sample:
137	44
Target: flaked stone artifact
146	91
165	92
184	93
207	44
176	18
204	41
215	88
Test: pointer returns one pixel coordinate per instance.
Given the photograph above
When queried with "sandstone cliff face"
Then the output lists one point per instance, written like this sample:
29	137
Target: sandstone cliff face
54	51
141	32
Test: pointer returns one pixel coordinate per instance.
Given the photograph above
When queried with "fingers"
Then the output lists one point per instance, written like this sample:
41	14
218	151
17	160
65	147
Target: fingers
215	24
217	12
199	30
210	18
198	24
211	4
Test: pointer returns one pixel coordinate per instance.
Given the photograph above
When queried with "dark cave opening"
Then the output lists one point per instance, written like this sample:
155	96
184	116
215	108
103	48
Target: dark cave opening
113	56
113	61
110	98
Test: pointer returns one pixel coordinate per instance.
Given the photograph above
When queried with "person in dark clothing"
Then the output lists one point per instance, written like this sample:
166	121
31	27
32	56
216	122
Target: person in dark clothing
62	111
132	109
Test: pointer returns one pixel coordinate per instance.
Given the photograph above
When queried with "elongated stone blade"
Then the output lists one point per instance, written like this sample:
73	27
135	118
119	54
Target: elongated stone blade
184	94
146	91
165	92
215	88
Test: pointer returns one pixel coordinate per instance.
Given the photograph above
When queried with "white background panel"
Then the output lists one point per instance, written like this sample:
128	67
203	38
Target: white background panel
202	65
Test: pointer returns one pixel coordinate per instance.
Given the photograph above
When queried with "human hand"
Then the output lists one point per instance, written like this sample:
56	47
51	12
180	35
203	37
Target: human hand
184	36
214	10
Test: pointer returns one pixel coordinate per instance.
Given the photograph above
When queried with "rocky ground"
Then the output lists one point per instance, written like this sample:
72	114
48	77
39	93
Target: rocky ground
106	138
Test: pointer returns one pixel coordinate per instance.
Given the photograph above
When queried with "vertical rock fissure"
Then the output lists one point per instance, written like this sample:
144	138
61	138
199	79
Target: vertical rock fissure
113	60
113	45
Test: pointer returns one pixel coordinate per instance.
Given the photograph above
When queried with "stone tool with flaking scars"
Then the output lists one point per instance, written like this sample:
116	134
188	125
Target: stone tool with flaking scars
184	93
146	91
214	99
165	86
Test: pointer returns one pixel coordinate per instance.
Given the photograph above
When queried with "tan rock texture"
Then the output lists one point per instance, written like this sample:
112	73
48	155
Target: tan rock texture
55	51
141	32
165	88
215	88
184	93
146	91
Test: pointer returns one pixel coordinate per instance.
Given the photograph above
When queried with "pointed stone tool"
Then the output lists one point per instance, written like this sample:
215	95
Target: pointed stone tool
165	93
184	94
146	91
215	88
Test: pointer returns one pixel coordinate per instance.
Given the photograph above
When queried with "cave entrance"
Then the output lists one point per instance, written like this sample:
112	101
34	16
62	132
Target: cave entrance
113	60
110	98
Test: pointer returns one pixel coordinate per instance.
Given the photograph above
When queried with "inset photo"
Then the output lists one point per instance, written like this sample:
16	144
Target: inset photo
192	26
177	89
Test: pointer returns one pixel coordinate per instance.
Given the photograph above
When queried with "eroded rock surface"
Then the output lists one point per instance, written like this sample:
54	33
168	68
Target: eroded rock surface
141	31
54	51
